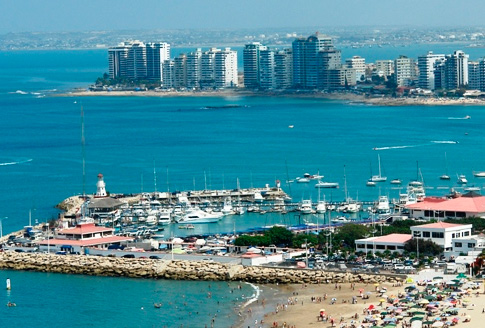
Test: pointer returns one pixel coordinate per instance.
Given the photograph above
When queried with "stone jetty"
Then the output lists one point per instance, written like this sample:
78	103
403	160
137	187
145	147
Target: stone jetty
178	270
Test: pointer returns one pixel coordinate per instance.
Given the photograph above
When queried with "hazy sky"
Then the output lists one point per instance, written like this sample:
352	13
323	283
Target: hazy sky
82	15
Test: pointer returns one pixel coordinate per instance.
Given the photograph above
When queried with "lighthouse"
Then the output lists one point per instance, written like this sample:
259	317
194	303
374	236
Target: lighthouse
100	187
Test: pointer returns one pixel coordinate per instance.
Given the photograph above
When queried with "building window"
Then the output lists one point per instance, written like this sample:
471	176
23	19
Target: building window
400	247
380	246
437	235
391	247
466	233
452	235
471	245
458	244
426	234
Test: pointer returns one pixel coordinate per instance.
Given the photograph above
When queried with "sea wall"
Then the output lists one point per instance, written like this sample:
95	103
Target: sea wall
177	270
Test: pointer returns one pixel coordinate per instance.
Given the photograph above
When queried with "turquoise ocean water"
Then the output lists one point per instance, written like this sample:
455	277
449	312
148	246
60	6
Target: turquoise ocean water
40	165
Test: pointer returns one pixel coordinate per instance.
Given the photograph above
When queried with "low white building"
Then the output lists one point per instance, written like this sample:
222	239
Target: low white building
393	243
441	233
471	246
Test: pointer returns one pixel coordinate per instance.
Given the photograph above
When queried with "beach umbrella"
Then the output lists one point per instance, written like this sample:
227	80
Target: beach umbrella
419	313
416	319
384	313
389	319
371	307
376	284
428	322
322	310
423	301
455	319
438	278
382	300
437	324
461	276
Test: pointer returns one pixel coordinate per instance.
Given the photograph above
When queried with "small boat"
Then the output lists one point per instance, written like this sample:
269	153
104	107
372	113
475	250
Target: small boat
321	207
462	179
322	184
157	305
445	177
341	219
471	188
396	181
306	207
370	183
479	174
302	180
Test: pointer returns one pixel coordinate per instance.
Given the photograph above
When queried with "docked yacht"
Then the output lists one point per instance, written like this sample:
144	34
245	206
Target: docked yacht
321	207
306	207
227	209
341	219
383	205
197	215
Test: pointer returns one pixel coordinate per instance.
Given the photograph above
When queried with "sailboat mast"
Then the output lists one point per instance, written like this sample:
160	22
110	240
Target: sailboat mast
345	185
154	176
83	146
379	160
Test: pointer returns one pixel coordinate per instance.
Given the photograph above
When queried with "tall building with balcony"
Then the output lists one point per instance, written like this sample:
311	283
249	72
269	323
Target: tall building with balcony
193	70
251	64
426	70
168	74
405	71
136	61
117	61
357	63
267	69
329	65
473	75
456	70
384	68
481	68
283	61
207	63
307	59
180	71
225	69
156	53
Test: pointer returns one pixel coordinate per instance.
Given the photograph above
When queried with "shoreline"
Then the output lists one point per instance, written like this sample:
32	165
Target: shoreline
350	97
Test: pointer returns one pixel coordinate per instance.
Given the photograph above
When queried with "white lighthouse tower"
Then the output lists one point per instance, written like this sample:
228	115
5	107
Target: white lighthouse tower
100	187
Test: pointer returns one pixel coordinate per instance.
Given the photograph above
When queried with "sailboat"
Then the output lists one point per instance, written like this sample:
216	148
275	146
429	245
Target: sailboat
370	183
445	176
239	210
378	178
321	205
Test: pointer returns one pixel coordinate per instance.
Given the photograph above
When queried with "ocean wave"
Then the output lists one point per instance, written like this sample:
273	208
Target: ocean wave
444	142
15	163
20	92
394	147
254	297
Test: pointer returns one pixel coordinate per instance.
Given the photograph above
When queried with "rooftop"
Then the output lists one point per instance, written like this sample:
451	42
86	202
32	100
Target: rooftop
460	204
85	242
397	238
82	229
441	225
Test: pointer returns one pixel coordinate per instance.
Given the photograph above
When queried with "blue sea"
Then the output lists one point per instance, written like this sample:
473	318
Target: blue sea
194	143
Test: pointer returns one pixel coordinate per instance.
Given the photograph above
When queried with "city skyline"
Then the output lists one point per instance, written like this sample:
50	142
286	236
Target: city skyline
57	16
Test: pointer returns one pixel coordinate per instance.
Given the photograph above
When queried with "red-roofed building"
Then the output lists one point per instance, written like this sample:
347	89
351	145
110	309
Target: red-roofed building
393	243
468	205
74	240
441	233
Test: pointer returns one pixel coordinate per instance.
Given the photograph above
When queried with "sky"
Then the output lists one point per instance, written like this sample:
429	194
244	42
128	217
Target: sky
89	15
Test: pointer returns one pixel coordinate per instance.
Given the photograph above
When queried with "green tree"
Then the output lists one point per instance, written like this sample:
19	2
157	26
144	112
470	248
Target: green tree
301	239
426	247
348	233
279	236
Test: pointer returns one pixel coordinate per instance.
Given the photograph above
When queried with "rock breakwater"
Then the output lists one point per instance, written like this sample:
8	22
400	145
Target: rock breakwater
178	270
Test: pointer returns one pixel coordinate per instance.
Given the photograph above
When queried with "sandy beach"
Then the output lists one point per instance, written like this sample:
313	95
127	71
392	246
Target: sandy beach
297	306
351	97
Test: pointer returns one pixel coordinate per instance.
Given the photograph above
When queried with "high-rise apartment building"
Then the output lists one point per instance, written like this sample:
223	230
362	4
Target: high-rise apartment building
456	70
251	64
384	68
473	75
426	70
138	61
180	71
357	63
267	69
225	68
405	71
193	70
168	74
307	60
156	54
283	61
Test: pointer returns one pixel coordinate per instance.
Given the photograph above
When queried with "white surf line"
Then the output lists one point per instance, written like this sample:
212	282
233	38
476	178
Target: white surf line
254	297
15	163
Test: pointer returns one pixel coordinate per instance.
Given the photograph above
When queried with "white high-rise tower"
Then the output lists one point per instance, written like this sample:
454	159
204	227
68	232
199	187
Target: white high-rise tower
100	187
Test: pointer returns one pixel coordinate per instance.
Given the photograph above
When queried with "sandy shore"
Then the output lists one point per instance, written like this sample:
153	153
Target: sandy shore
353	98
298	306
